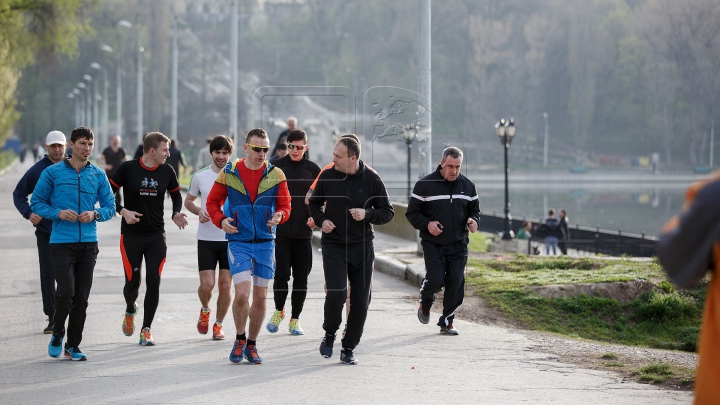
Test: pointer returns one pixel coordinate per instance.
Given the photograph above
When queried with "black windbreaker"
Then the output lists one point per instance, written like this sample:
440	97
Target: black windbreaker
449	202
342	191
300	176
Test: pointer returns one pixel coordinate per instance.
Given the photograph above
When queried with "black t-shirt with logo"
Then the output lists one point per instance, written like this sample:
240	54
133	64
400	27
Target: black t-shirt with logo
144	191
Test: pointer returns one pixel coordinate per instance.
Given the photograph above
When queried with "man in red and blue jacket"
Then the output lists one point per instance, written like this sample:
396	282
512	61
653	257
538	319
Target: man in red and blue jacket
248	200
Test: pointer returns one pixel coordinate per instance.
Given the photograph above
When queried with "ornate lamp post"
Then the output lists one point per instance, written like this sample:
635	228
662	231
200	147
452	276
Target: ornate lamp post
506	131
409	135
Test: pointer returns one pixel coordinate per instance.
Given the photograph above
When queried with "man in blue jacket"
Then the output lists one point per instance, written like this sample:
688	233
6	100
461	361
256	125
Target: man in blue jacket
55	146
67	193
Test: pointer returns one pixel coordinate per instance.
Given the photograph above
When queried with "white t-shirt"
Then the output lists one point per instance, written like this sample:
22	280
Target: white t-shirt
200	184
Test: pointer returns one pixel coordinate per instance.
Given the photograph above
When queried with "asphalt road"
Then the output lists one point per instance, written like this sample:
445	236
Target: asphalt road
400	360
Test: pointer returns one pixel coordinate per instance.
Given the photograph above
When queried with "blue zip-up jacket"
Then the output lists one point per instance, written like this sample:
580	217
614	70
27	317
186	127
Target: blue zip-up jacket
61	187
25	187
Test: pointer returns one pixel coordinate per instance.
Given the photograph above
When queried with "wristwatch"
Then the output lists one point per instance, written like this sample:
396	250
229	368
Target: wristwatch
97	215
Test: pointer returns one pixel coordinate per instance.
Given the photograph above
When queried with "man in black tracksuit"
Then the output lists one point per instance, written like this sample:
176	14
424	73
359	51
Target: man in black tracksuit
293	247
444	206
356	199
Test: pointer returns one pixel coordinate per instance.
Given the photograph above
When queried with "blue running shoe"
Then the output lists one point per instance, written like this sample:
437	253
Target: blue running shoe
55	346
74	353
236	354
251	354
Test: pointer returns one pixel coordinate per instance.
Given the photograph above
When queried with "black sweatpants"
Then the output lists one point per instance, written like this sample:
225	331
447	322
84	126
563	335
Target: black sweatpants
73	264
292	257
343	264
444	267
47	274
133	249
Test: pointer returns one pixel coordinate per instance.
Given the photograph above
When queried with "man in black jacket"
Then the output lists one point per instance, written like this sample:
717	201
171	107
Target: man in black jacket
293	247
356	199
444	206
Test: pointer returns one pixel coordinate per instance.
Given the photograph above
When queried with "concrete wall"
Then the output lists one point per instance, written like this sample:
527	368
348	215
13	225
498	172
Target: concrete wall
399	226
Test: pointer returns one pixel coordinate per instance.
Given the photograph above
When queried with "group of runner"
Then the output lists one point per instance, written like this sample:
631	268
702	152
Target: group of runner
246	232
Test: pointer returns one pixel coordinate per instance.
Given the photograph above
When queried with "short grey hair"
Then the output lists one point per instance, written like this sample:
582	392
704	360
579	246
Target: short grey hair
452	151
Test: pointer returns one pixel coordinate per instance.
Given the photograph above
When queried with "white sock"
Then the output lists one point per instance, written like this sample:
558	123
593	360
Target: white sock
206	309
219	322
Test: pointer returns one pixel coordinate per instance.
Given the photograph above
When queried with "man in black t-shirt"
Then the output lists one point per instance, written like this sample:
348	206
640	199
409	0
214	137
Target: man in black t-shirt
145	182
111	158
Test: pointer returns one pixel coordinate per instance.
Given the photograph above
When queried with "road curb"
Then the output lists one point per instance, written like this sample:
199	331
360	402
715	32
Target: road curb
9	167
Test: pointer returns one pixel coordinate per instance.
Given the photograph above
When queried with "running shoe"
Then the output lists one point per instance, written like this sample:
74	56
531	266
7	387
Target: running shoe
146	337
346	356
128	326
423	316
251	354
236	354
55	345
74	353
326	347
295	328
203	322
218	332
274	323
449	330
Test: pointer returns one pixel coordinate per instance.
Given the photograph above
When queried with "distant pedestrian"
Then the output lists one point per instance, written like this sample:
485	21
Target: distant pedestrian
22	153
281	151
212	247
688	249
553	232
444	206
35	152
292	123
203	157
562	242
176	158
55	145
67	193
293	243
355	199
111	158
142	231
524	231
248	200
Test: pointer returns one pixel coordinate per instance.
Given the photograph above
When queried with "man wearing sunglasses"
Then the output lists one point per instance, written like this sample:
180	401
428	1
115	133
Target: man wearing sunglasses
293	250
249	198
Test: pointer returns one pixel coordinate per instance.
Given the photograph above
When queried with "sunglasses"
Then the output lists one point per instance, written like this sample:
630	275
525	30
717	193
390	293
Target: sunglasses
298	147
259	149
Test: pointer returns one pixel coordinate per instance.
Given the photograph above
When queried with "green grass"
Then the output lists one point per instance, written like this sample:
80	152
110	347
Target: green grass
668	320
655	372
609	356
7	157
478	242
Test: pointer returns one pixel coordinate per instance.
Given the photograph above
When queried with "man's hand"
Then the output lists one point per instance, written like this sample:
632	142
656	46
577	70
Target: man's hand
327	226
227	227
86	216
131	217
276	218
311	222
35	218
434	228
203	215
180	220
358	214
68	215
472	225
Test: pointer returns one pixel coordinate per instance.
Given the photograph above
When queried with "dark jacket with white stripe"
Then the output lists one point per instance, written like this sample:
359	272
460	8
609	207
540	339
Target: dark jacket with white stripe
449	202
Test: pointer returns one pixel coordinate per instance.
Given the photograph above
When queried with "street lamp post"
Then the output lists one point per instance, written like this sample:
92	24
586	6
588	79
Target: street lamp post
140	50
76	91
104	136
83	106
506	131
409	135
545	150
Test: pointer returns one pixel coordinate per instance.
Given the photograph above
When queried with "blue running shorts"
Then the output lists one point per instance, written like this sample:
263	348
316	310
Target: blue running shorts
254	261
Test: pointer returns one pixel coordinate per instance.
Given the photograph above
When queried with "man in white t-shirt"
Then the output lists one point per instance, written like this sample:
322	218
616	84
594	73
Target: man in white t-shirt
212	246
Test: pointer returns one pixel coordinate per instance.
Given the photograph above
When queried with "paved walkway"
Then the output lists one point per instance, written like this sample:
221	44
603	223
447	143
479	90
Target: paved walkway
400	360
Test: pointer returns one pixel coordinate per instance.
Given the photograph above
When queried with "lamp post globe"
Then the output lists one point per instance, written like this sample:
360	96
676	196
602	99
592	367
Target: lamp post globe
506	132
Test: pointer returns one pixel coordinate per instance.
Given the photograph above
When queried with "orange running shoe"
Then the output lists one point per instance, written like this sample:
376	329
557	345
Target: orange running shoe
128	326
203	321
218	332
146	338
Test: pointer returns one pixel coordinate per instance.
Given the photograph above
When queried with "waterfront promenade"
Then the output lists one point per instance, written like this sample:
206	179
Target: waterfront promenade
400	360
